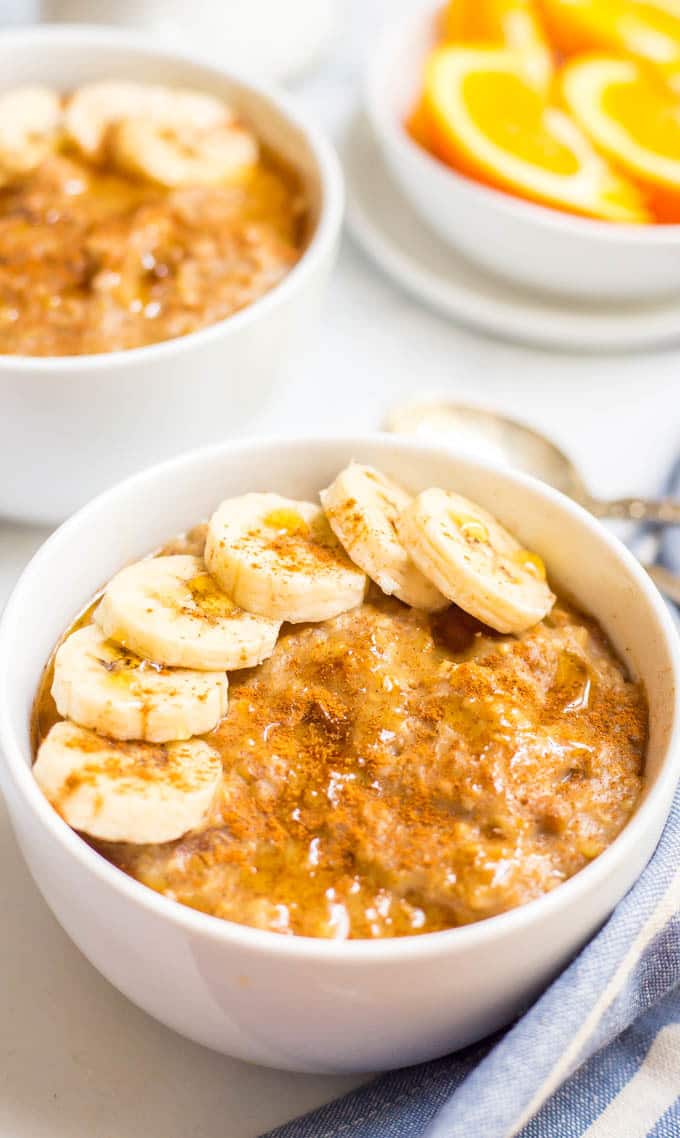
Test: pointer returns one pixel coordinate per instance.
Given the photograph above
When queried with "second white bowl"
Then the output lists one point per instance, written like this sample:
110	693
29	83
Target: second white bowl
70	426
531	245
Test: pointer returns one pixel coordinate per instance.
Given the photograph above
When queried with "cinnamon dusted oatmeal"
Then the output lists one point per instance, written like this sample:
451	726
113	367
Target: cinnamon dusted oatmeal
389	772
144	214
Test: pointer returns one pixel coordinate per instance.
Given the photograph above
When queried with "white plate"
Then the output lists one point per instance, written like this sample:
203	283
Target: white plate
382	221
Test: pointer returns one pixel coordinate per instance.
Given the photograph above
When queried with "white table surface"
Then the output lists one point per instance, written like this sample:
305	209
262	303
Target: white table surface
76	1059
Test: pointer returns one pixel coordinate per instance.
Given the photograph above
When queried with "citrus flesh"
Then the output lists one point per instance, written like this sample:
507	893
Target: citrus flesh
532	148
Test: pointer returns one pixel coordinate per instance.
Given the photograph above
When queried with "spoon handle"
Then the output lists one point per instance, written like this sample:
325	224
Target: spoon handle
665	511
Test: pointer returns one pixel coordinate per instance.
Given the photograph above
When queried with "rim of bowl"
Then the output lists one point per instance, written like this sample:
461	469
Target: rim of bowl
391	132
263	941
327	163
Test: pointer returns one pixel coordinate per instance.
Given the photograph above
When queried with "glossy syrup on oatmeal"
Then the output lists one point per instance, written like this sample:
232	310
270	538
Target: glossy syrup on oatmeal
389	773
96	261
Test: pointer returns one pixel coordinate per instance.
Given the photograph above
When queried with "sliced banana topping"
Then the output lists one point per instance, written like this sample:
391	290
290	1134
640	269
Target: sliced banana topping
474	561
100	685
96	107
29	128
180	154
127	792
280	558
363	506
171	611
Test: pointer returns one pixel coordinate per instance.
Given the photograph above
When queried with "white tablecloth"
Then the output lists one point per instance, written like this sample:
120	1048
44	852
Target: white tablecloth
78	1061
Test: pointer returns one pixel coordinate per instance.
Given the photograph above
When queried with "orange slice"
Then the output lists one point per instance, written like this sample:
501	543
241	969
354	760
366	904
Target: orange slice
646	28
530	148
631	115
419	125
514	24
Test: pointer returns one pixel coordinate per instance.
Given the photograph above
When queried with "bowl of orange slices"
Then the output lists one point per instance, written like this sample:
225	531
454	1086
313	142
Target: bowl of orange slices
541	138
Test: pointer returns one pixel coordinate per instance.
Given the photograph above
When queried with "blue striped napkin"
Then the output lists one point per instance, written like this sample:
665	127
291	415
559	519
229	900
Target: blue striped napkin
597	1056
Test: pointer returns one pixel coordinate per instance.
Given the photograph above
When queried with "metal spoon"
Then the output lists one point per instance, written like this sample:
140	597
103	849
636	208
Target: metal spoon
489	434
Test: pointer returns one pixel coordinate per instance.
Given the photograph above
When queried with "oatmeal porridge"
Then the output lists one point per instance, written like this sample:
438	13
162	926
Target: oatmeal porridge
382	769
138	218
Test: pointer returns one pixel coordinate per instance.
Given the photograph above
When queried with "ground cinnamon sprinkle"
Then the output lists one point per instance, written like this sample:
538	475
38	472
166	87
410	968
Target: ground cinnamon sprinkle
94	261
388	773
320	547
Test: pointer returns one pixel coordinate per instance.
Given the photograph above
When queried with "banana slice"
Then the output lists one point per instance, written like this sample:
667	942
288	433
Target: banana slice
94	108
474	561
169	609
362	506
100	685
127	792
29	123
176	153
280	558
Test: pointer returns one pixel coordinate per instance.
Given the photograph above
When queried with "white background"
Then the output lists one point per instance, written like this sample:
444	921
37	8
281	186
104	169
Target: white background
78	1061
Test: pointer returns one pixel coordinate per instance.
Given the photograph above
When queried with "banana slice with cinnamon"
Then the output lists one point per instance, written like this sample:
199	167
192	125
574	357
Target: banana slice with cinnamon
30	118
363	507
474	561
101	685
170	610
176	153
127	792
95	108
279	557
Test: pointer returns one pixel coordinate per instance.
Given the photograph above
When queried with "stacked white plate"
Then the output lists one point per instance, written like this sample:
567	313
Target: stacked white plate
390	231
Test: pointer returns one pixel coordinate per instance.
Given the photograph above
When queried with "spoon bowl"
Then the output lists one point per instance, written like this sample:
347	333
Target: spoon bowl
480	432
484	433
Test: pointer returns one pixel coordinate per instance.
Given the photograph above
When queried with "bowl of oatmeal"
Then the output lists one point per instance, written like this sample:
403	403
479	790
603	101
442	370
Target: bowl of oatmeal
166	230
337	761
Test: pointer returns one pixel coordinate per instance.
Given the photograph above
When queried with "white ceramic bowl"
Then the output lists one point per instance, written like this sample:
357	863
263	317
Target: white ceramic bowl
71	426
297	1002
533	246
